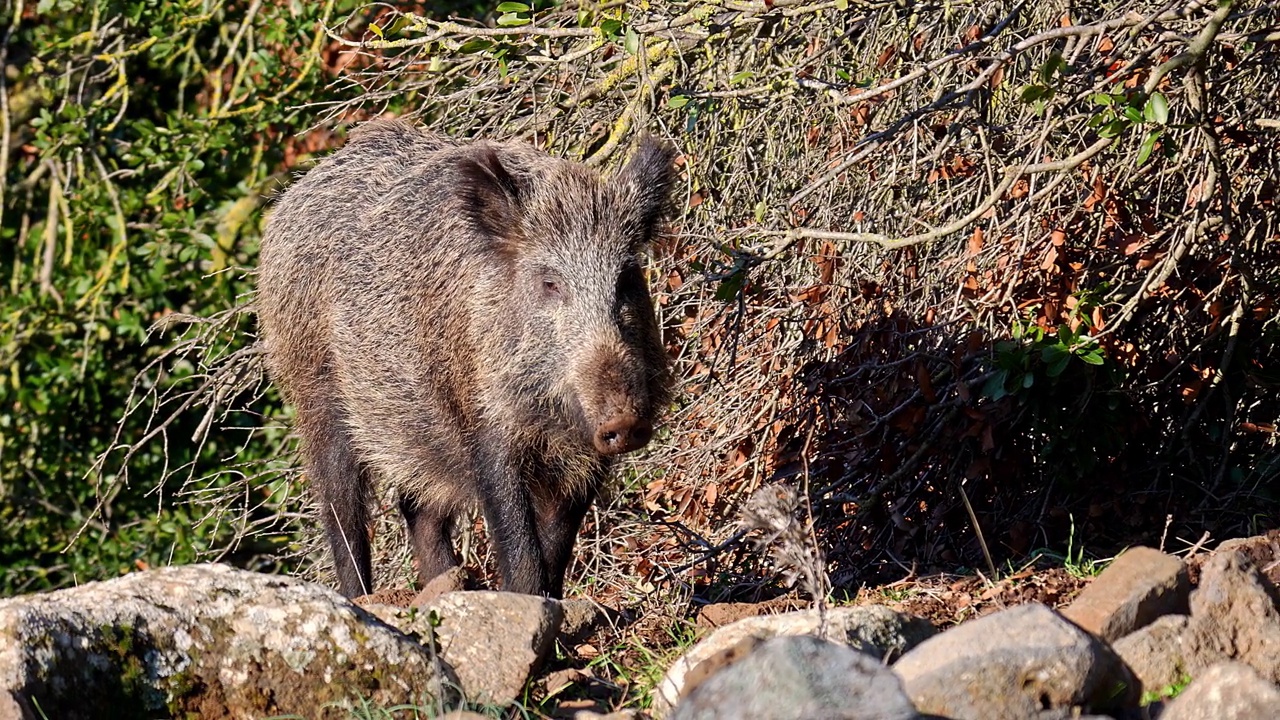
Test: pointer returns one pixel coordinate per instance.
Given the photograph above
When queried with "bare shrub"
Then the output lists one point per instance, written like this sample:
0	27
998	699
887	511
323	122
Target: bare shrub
1023	252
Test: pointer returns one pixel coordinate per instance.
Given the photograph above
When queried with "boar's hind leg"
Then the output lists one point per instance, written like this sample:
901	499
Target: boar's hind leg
429	530
342	487
559	520
508	511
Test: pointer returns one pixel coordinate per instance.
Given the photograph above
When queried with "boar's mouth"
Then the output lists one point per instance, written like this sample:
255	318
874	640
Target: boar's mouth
616	431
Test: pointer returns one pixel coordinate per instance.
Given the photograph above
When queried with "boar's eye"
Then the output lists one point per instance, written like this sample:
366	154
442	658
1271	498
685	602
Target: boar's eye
550	285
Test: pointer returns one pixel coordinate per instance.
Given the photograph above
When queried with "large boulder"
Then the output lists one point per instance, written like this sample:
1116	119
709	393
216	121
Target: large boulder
208	641
1226	691
874	629
1024	662
798	678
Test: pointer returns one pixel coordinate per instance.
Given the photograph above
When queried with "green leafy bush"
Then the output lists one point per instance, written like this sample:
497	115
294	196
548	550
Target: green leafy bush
144	138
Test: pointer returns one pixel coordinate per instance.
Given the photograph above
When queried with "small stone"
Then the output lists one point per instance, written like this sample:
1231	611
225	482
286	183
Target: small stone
583	617
1234	616
558	680
1155	653
12	709
493	640
799	678
1013	665
1139	586
874	629
1226	691
454	579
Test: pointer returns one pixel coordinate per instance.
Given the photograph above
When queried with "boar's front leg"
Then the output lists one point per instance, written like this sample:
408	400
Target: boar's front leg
559	519
508	511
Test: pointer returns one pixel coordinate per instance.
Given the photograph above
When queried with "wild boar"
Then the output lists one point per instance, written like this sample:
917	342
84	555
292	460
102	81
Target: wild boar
467	323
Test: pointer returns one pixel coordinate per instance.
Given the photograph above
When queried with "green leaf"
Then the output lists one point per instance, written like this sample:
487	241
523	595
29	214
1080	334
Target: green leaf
1114	128
842	4
1101	99
677	101
473	46
1028	380
761	208
610	28
1148	145
1054	353
994	386
1031	93
1058	366
741	77
729	287
632	42
1093	357
512	7
1156	110
1133	113
398	24
376	29
1051	67
512	20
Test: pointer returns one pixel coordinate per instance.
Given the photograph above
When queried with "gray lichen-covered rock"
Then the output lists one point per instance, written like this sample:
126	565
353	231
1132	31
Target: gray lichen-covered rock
205	640
1024	662
874	629
1226	691
798	678
493	640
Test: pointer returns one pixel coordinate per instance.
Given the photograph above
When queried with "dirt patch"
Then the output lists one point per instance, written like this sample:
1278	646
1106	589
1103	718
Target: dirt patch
946	600
720	614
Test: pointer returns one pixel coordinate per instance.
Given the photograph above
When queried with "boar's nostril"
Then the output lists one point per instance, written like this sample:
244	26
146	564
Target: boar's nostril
622	433
641	433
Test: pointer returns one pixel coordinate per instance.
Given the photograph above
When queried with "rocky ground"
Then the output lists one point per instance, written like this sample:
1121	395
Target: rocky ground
1152	636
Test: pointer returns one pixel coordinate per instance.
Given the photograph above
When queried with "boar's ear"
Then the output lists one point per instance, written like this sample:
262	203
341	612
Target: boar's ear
491	197
647	181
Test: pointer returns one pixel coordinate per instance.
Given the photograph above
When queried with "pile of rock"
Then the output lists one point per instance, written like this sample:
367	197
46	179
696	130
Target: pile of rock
1136	635
211	641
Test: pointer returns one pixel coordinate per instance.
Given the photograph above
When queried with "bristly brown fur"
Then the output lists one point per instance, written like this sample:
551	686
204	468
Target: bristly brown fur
467	323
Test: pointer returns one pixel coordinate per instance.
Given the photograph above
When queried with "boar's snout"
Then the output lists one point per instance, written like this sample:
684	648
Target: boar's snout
622	433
